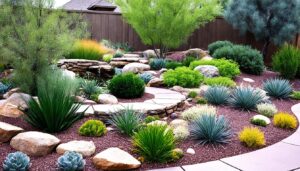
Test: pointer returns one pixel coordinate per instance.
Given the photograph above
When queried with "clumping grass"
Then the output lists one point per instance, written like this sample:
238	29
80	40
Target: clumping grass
266	109
195	112
92	128
258	122
217	95
295	95
278	88
285	121
192	94
219	81
252	137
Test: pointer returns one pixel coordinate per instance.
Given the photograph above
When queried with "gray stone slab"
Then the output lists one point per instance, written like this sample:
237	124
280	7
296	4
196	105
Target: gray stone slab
87	108
278	157
209	166
170	96
169	169
153	90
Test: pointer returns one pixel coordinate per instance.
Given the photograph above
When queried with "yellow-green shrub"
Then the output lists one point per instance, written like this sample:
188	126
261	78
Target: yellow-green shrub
285	120
93	128
252	137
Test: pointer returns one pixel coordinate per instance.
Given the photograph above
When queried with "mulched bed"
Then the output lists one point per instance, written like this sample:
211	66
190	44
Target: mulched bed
238	119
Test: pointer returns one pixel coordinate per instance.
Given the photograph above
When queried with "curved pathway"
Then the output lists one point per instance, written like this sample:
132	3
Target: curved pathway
282	156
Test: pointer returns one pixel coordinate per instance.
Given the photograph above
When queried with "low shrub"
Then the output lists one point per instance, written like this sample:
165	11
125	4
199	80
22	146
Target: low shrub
55	110
188	60
217	45
173	64
252	137
107	57
287	68
146	77
258	122
127	121
155	143
219	81
157	64
71	161
285	121
177	154
90	87
192	94
266	109
246	98
149	119
183	77
295	95
217	95
195	112
201	100
88	49
127	85
181	133
16	161
93	128
227	68
211	129
249	60
278	88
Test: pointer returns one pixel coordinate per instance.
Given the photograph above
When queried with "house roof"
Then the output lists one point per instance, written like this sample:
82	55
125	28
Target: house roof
91	5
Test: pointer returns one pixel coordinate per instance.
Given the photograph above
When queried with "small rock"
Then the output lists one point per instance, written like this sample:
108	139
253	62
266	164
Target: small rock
150	53
69	74
7	131
189	99
115	159
158	122
262	117
34	143
199	53
110	129
156	82
19	99
174	116
249	80
135	68
10	110
107	99
10	92
208	70
190	151
86	148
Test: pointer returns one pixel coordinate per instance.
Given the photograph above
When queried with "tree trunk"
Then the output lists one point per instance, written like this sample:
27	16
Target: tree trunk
265	49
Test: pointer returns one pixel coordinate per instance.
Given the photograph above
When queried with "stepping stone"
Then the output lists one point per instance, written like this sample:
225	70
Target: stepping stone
190	151
34	143
7	131
209	166
115	159
86	148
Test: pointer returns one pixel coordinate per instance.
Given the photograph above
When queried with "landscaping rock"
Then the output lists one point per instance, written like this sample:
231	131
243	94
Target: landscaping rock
130	55
262	117
34	143
7	131
135	68
248	80
156	82
196	52
107	99
19	99
163	70
208	70
150	53
86	148
178	89
10	110
174	116
10	92
115	159
69	74
190	151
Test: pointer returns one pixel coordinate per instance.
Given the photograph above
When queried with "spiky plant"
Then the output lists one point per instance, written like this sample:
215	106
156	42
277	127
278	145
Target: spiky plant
71	161
146	77
90	87
211	129
278	88
155	143
157	64
217	95
246	98
127	121
54	111
17	161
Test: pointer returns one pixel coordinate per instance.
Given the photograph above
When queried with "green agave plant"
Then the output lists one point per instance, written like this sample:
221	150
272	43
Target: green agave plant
217	95
211	129
17	161
278	88
246	98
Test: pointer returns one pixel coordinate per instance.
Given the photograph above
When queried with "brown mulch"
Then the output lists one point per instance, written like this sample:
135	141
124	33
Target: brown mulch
238	120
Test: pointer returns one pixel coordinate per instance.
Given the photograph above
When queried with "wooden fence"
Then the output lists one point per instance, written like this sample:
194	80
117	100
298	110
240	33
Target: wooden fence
108	25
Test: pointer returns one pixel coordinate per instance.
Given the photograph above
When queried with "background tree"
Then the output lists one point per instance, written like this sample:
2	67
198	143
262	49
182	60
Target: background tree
275	21
33	35
165	24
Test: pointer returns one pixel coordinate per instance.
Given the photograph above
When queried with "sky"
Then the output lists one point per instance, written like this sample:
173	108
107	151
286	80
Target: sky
59	3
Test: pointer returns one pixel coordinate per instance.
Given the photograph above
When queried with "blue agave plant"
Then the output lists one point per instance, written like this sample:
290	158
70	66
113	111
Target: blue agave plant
3	88
157	64
71	161
17	161
146	77
278	88
217	95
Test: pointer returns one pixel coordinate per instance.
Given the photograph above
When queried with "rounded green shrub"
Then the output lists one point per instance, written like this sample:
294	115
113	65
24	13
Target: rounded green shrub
150	119
286	61
183	77
217	45
127	86
249	60
219	81
93	128
173	65
227	68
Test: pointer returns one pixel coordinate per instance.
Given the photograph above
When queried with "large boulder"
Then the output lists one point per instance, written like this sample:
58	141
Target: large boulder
156	82
86	148
107	99
115	159
34	143
7	131
135	68
208	70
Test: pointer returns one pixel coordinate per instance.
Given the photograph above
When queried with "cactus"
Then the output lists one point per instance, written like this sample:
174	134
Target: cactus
146	77
71	161
17	161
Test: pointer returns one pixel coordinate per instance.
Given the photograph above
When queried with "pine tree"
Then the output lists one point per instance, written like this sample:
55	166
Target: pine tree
166	24
33	35
272	21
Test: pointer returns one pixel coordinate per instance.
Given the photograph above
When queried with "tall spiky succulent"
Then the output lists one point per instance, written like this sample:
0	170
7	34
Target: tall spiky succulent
71	161
211	129
217	95
278	88
246	98
17	161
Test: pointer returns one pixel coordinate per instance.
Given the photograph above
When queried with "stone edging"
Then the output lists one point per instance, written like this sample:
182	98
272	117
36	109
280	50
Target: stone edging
282	156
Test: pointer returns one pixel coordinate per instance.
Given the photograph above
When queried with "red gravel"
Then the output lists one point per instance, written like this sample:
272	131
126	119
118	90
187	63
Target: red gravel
238	119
